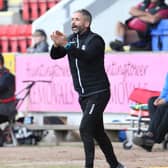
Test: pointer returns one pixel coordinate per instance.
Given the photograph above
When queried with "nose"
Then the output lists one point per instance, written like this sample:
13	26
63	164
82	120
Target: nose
72	22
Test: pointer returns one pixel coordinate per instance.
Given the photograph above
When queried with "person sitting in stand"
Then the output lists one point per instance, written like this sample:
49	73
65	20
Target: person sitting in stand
158	126
136	30
39	42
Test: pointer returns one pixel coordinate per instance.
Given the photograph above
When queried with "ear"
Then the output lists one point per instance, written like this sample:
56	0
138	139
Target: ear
87	24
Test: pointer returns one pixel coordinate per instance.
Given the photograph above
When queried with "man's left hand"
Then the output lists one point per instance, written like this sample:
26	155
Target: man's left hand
59	38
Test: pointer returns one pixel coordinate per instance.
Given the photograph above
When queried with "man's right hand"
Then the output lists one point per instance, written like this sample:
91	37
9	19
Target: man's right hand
159	101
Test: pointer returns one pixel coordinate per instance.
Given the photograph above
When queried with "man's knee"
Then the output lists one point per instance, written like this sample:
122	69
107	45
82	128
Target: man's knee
86	130
151	100
120	25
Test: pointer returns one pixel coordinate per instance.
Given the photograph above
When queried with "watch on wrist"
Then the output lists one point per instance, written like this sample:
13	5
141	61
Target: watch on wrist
68	45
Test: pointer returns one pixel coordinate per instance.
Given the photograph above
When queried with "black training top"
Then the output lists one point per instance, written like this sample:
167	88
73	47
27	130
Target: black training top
86	59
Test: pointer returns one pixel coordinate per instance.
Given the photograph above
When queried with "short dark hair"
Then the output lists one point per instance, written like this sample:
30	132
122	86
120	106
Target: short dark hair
86	13
1	59
40	32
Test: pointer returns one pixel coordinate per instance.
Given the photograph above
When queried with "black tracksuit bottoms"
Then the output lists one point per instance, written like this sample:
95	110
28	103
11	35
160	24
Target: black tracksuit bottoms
92	128
159	120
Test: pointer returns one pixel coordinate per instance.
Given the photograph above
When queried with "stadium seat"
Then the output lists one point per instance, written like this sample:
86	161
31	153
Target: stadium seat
11	30
22	43
51	3
34	9
1	4
12	36
159	36
18	35
4	44
3	39
24	34
3	30
15	38
13	45
42	7
24	30
26	10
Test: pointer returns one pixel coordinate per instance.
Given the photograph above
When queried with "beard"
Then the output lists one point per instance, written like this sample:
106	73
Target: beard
77	29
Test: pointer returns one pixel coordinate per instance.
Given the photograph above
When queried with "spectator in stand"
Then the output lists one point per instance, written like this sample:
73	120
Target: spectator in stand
7	95
136	29
39	42
158	126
